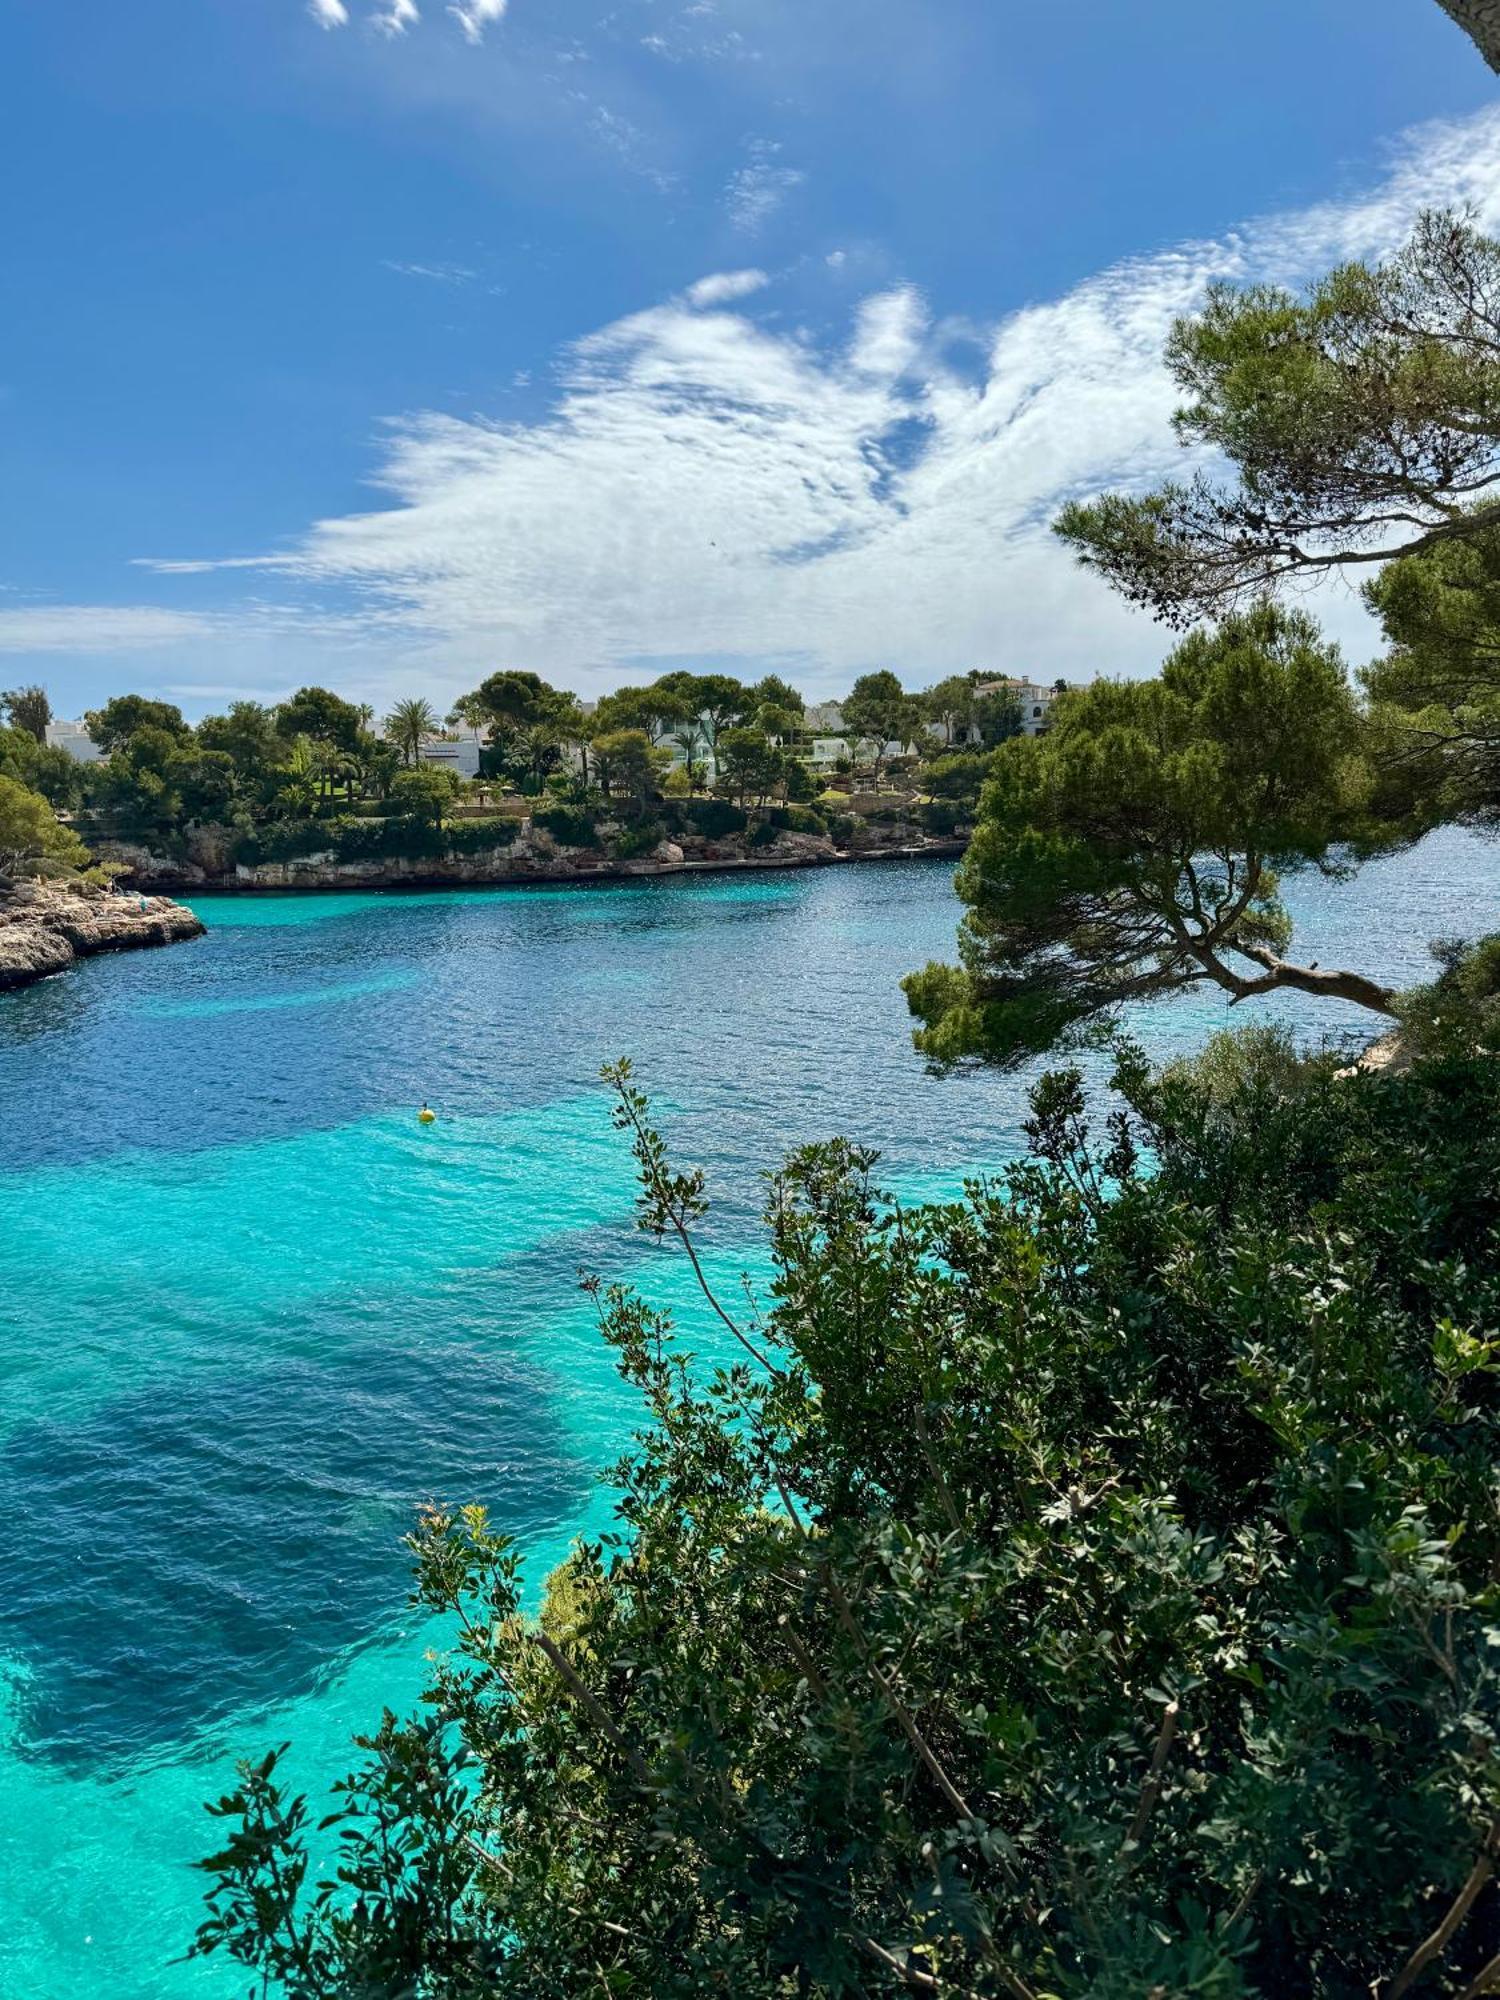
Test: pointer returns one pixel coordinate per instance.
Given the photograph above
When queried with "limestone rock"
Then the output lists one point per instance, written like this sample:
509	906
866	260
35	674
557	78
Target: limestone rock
45	928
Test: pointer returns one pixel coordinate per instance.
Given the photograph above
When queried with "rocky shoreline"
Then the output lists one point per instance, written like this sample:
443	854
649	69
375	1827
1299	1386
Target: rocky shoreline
534	858
44	928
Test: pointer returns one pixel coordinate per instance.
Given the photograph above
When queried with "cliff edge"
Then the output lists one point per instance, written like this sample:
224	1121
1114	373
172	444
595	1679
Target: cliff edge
45	927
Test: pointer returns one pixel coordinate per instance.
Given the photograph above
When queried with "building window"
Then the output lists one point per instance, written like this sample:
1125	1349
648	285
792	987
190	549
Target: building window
1037	709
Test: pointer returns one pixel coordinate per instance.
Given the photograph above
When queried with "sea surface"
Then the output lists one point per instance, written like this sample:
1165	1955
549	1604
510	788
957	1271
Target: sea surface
252	1312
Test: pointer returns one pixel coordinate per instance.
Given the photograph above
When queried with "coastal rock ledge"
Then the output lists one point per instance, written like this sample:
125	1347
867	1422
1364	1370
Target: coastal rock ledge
45	928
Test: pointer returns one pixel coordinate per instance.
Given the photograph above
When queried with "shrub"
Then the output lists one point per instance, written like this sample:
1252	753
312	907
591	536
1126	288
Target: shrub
477	836
633	841
762	834
1074	1593
713	818
284	839
797	819
569	826
1460	1010
942	816
842	827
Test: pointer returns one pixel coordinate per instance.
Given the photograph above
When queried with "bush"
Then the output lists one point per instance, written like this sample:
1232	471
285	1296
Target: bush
841	827
1085	1594
713	818
1460	1011
478	836
633	841
762	834
797	819
569	826
942	816
833	802
285	839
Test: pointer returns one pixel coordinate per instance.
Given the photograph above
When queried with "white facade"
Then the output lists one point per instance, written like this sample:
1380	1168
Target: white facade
461	757
75	739
1033	700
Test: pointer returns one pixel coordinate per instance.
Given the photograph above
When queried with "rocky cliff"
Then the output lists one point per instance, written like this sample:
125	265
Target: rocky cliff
45	928
533	857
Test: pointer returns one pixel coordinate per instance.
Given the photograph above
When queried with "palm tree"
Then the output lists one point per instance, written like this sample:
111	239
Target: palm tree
408	725
692	735
470	713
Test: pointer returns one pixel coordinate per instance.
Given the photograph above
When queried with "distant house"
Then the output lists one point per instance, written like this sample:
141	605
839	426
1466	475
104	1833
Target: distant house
1033	700
460	756
75	739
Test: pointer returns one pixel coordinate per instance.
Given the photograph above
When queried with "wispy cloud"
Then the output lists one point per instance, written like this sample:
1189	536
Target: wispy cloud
96	628
706	486
394	17
723	287
757	189
442	274
474	16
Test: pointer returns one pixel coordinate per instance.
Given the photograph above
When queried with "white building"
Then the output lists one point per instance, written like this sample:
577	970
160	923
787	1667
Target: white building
75	739
461	757
1033	700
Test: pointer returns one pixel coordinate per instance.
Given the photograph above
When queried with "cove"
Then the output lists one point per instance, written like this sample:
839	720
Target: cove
253	1315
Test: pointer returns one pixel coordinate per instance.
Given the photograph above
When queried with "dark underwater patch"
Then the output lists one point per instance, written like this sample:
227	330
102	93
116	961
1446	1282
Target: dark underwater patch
207	1547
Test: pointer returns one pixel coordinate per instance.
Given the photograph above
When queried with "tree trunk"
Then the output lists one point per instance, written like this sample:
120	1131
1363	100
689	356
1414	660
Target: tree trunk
1480	21
1312	979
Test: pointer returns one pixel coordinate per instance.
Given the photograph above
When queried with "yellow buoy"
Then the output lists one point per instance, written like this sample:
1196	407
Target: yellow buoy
426	1117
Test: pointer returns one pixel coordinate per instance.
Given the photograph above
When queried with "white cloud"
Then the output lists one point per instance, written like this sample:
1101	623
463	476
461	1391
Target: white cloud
394	17
96	628
329	13
474	16
704	486
443	274
723	287
757	189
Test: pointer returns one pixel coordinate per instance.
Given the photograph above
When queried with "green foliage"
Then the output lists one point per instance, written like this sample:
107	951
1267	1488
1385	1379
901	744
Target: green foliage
1137	848
1359	420
425	793
478	836
634	841
942	816
40	767
750	765
1437	692
761	834
409	725
715	819
1086	1589
27	708
878	710
771	691
628	765
796	819
1459	1012
957	776
323	717
32	841
119	720
569	826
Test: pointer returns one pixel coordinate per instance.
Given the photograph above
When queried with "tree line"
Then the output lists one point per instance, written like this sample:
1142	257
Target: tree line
317	755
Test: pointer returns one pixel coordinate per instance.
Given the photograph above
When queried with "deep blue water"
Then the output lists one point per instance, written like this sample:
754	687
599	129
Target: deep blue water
253	1312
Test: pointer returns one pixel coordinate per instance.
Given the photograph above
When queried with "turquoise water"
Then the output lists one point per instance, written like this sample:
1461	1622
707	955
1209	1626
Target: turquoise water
253	1312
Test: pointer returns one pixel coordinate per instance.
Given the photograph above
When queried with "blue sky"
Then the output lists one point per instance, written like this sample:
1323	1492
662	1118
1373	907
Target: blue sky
599	334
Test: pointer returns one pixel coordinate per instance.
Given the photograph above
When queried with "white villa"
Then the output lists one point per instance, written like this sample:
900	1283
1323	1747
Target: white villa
75	739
